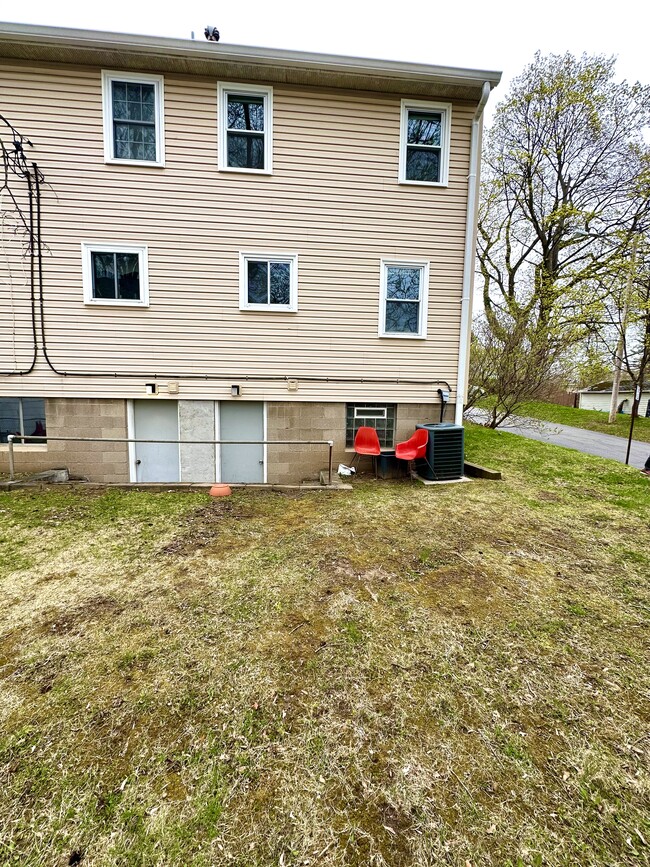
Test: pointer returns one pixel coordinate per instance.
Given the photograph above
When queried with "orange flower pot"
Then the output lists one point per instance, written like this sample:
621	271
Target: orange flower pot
220	491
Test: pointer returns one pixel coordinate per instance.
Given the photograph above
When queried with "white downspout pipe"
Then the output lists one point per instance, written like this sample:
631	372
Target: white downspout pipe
470	255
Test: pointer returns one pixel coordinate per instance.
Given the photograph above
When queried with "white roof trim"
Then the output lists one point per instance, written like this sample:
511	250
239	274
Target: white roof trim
163	46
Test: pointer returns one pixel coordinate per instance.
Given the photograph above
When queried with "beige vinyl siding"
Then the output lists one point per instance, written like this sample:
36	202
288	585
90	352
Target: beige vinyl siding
333	199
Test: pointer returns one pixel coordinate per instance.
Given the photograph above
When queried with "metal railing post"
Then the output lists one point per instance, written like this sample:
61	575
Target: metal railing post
12	468
329	479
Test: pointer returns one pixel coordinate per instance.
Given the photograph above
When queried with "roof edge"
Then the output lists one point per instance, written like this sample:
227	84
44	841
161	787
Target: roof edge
35	35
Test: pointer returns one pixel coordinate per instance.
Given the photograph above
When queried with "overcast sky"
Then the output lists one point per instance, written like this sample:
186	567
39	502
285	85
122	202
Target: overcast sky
499	34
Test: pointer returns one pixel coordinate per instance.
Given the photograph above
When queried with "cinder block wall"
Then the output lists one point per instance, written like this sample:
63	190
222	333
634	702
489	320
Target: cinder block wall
318	421
108	462
99	462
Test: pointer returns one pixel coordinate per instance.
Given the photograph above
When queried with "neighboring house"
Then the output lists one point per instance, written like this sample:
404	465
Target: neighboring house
599	397
277	244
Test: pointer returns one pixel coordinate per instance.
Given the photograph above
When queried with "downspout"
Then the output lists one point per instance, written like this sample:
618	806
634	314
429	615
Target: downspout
470	255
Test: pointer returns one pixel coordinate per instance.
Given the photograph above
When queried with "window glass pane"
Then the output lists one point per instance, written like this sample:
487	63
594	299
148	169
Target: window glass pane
103	275
119	100
425	128
34	416
383	424
246	151
134	101
134	141
128	276
246	112
402	317
258	286
9	417
134	121
403	283
422	164
280	282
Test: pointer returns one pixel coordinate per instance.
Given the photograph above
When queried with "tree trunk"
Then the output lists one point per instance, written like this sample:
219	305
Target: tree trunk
620	347
616	382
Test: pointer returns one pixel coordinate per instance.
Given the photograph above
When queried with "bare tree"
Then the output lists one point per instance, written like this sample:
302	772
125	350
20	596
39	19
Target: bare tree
565	169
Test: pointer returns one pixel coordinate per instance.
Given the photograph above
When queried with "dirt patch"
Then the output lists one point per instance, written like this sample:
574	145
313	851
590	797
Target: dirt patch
376	833
204	527
74	619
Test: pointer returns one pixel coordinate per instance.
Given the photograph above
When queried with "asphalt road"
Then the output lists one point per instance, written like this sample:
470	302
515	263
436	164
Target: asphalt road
587	441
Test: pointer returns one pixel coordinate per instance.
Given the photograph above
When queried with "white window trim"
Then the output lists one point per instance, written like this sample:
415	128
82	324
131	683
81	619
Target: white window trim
381	411
445	140
88	247
424	298
291	258
108	76
225	88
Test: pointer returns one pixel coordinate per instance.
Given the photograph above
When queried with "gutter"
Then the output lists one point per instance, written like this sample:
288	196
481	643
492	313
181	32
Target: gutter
470	255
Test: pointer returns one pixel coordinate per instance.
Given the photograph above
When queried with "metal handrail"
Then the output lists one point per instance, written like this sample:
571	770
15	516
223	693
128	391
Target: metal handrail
22	438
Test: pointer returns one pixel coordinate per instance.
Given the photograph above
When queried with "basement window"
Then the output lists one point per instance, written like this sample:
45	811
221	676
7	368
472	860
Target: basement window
115	274
424	143
268	282
245	128
380	416
24	416
133	119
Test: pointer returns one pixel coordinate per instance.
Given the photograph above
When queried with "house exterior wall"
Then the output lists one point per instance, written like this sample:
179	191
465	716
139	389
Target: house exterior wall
333	199
602	400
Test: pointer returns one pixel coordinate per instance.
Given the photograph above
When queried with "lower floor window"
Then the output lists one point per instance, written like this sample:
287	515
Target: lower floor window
22	416
380	416
115	274
268	282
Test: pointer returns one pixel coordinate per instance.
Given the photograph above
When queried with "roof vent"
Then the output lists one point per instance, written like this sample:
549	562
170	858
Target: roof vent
211	34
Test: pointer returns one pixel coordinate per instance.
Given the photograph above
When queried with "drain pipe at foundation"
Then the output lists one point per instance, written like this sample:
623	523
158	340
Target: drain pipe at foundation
470	253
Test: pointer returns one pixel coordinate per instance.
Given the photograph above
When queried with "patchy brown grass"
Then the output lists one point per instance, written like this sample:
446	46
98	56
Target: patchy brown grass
395	676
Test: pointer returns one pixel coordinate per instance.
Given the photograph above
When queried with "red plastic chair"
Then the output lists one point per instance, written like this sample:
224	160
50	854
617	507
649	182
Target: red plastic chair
366	442
413	449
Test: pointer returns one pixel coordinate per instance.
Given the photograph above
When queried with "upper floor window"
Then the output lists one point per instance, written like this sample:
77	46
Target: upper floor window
22	416
424	143
133	118
403	308
268	282
245	128
115	274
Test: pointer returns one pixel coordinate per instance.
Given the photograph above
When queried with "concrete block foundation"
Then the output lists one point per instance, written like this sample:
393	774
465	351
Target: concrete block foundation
108	463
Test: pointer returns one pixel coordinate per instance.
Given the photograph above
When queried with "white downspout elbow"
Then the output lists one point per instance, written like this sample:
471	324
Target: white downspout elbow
470	255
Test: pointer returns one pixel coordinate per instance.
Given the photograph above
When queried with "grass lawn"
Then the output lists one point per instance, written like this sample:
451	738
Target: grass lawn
394	676
590	419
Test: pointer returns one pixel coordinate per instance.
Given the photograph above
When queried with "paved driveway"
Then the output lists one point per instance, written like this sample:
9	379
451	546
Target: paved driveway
590	442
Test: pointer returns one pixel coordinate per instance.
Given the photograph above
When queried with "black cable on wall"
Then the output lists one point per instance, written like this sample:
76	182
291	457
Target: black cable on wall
14	164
